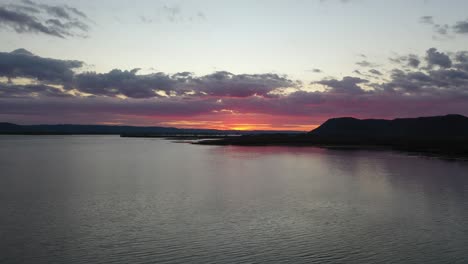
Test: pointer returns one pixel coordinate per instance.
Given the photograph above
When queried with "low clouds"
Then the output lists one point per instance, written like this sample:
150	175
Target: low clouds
435	58
28	90
30	17
223	84
32	86
411	60
241	85
347	85
118	82
23	64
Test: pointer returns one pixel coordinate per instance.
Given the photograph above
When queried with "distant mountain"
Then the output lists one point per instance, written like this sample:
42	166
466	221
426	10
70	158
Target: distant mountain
436	127
9	128
66	129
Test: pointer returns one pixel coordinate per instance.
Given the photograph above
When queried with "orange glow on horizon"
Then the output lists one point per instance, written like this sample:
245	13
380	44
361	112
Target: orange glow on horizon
224	120
238	126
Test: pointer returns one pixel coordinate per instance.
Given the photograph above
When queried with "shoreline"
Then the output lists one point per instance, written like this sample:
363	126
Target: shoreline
441	148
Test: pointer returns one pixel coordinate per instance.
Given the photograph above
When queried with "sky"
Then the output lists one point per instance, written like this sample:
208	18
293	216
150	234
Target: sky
264	65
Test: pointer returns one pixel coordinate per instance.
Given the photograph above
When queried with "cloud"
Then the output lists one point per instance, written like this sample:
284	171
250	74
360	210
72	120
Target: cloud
347	85
241	85
127	83
410	60
365	63
173	13
461	27
445	30
441	31
23	64
30	17
224	84
54	91
435	58
427	20
413	61
19	91
315	70
375	72
461	60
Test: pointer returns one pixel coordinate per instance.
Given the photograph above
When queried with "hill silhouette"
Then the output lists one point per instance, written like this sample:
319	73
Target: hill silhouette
435	127
447	135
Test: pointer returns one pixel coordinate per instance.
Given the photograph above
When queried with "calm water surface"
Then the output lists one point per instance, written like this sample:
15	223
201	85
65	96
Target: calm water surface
105	199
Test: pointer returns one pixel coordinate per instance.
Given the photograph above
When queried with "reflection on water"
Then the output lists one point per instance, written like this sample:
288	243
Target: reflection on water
120	200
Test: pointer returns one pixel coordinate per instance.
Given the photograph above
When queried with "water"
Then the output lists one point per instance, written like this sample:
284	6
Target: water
105	199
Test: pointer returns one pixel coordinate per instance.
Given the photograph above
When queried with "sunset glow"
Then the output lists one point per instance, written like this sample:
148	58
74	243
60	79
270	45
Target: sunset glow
179	66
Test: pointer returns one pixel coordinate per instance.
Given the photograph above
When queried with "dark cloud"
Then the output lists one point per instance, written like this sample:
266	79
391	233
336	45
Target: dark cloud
461	56
439	82
375	72
365	63
22	63
461	27
435	58
241	85
347	85
57	21
23	23
410	60
413	61
441	29
426	20
461	60
405	82
129	84
357	72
